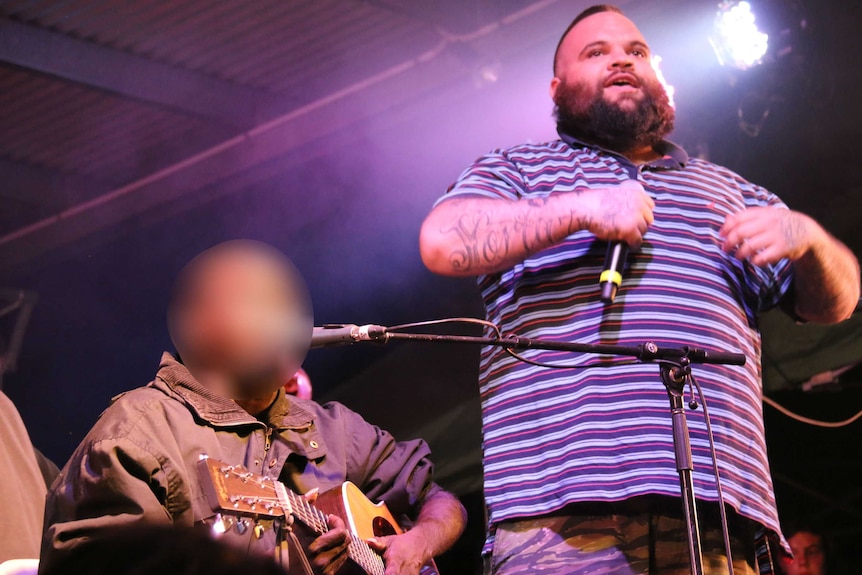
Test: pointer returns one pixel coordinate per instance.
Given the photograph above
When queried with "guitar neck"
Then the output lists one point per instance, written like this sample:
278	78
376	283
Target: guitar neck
317	521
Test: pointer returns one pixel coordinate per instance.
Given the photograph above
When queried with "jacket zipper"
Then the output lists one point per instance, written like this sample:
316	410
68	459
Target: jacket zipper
267	441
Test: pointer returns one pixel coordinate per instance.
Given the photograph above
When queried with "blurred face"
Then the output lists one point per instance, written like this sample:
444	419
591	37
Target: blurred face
605	87
808	557
242	314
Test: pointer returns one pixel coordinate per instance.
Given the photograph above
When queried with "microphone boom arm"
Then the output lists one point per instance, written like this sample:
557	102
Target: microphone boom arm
647	351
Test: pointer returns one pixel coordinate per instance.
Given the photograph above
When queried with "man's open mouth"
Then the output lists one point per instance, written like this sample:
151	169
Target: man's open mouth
622	80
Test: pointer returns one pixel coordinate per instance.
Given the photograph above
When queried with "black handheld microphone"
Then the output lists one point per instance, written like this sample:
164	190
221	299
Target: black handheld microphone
612	272
345	334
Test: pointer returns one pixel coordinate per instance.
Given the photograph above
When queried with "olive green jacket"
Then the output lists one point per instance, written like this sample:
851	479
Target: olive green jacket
139	462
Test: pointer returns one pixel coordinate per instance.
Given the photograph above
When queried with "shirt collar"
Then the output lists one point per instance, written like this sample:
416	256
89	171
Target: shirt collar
673	156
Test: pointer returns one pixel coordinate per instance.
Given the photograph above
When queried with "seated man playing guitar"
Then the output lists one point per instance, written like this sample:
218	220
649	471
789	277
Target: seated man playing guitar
232	318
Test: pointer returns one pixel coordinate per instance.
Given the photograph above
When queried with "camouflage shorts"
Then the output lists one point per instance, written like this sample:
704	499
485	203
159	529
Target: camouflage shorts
636	544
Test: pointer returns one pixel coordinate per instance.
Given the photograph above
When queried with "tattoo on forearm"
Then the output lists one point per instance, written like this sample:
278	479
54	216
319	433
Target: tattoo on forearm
486	240
481	242
826	281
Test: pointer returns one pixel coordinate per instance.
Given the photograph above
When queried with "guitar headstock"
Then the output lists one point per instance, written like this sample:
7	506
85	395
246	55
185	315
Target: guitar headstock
235	490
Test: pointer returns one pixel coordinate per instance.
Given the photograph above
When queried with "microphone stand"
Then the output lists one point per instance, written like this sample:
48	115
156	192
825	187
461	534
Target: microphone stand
675	370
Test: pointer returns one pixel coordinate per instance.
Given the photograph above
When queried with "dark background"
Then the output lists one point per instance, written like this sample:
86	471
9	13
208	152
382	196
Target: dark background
328	129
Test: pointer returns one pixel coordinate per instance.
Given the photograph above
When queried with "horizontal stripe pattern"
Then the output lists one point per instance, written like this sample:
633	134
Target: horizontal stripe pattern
554	437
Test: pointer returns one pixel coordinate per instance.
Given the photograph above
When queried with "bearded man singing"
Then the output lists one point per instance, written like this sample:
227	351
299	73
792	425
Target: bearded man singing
579	465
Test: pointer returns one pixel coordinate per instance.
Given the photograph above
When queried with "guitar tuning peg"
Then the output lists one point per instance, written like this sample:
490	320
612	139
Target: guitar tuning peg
259	530
221	524
242	526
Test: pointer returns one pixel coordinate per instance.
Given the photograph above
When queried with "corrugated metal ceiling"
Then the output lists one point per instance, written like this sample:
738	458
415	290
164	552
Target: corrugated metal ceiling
57	124
73	129
266	44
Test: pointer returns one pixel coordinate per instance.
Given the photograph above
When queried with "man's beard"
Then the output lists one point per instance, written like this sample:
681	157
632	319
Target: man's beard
586	115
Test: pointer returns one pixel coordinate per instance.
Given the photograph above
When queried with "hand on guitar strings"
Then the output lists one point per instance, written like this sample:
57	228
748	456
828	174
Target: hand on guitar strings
403	554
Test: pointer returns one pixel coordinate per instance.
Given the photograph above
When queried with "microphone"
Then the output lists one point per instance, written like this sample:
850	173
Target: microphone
612	272
344	334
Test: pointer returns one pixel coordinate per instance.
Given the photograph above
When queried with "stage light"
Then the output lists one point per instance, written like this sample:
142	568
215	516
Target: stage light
655	61
735	38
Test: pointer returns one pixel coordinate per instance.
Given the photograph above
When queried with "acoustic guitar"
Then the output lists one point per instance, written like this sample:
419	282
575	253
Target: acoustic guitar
233	490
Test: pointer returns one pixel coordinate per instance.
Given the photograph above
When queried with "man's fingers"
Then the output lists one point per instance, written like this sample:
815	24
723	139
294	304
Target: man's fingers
749	243
766	256
330	562
330	550
741	235
333	539
734	221
761	249
379	544
747	215
643	227
634	241
623	213
650	203
733	235
746	249
335	522
748	223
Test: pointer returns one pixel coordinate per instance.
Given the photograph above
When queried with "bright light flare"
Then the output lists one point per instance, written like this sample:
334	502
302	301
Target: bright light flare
655	61
736	39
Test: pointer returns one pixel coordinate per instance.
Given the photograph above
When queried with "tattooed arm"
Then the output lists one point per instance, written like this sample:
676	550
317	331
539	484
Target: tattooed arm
826	273
473	236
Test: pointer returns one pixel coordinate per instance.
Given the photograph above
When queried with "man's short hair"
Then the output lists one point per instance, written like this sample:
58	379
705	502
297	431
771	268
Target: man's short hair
597	9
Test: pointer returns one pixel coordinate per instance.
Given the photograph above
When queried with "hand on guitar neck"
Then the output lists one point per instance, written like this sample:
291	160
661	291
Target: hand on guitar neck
329	552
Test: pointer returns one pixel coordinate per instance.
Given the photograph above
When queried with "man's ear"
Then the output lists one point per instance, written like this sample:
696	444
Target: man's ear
555	83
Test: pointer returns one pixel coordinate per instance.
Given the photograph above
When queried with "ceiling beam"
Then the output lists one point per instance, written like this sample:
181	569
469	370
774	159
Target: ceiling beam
48	189
130	76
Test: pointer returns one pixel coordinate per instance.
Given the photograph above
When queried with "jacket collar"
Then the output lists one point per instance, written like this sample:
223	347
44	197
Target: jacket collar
173	377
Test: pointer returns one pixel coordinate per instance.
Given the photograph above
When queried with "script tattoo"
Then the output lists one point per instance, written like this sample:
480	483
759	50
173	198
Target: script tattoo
482	243
491	237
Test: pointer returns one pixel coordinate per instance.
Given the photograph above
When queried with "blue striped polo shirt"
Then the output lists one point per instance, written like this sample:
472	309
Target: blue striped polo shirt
554	437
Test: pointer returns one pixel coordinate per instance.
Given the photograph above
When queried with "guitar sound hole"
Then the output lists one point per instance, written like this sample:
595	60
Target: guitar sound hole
382	528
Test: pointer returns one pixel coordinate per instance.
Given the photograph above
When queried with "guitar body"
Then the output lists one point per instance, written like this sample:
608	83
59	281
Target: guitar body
363	518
